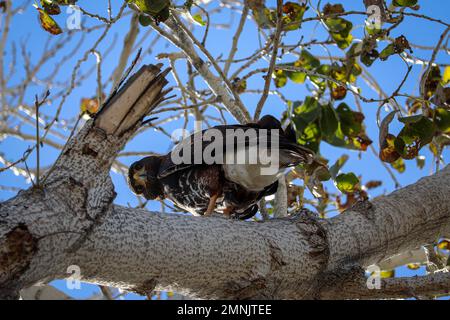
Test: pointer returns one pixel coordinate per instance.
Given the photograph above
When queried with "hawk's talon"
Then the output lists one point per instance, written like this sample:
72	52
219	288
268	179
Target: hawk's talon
211	205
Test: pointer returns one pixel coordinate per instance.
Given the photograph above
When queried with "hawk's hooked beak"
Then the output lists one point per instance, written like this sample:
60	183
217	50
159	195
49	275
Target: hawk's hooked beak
143	175
140	176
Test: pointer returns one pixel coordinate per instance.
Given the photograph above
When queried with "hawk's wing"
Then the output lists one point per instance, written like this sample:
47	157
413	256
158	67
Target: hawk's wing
196	144
170	164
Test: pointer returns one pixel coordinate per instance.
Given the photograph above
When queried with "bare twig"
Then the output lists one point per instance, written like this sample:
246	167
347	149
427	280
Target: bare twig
268	79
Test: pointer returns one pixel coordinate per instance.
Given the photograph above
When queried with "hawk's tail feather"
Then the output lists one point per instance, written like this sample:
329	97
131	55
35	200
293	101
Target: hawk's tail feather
294	154
247	213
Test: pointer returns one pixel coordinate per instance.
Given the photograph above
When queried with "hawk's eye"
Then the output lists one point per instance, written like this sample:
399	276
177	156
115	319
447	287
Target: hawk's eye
139	189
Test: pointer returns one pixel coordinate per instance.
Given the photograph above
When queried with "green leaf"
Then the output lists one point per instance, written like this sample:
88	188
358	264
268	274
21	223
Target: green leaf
413	266
442	119
388	153
349	133
48	23
324	69
199	19
239	85
399	45
444	245
338	25
387	274
422	129
411	119
310	136
52	8
347	182
387	52
337	91
293	15
368	56
145	20
342	41
340	140
446	76
296	77
334	169
340	31
306	113
151	6
328	120
417	132
307	61
420	161
399	165
280	78
384	126
361	141
351	121
404	3
432	81
346	72
329	9
65	2
163	15
262	17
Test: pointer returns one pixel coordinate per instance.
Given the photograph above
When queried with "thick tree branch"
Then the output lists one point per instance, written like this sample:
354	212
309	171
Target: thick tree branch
71	220
352	284
77	191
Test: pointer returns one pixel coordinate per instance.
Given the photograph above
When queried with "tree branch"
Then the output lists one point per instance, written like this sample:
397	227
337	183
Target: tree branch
418	255
354	286
71	220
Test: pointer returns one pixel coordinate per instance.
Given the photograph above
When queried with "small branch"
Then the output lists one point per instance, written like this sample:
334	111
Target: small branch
280	209
37	104
236	37
263	209
106	291
268	79
128	44
38	143
98	57
208	23
356	287
431	62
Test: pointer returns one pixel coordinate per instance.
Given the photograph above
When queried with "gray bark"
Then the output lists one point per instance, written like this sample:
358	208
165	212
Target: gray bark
71	220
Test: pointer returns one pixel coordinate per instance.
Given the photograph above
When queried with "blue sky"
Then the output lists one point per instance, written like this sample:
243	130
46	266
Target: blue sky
389	74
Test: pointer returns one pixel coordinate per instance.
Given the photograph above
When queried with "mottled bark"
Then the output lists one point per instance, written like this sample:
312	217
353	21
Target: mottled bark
71	220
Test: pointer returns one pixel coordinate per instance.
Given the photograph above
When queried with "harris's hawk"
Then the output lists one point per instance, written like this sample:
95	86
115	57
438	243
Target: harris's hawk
226	185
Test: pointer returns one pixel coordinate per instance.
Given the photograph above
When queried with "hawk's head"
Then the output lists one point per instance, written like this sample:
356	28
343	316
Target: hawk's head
143	178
